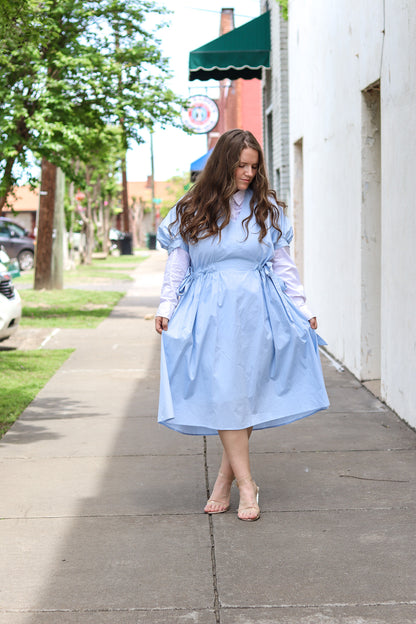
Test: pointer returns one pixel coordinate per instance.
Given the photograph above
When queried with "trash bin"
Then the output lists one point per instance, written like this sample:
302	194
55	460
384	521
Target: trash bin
151	240
126	248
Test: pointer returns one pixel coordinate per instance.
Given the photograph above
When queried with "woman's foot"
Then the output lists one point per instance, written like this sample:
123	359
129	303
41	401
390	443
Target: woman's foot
219	501
248	509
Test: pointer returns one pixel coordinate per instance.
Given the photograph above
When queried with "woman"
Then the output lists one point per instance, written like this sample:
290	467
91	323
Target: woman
238	347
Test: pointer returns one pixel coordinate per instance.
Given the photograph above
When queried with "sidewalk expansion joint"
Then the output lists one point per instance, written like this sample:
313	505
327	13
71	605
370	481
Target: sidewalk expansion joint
198	453
266	512
336	510
322	451
169	514
36	458
113	610
212	540
387	603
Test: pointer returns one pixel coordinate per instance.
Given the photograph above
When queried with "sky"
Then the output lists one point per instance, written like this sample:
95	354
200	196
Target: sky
192	24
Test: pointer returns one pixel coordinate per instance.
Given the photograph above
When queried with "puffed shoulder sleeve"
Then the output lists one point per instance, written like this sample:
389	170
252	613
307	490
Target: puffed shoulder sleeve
169	237
287	231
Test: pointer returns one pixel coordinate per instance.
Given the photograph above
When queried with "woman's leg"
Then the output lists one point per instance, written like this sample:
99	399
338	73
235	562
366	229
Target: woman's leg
219	500
225	467
236	447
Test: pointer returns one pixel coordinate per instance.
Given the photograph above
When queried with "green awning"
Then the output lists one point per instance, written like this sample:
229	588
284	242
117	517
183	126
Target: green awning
240	53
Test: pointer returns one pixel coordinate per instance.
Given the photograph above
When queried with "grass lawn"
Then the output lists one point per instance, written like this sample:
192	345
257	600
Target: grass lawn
100	271
73	307
23	374
67	308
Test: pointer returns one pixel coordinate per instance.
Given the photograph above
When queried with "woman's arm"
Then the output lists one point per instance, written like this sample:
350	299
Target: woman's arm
176	267
286	269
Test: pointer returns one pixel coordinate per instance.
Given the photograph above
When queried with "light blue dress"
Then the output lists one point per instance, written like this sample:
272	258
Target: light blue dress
238	353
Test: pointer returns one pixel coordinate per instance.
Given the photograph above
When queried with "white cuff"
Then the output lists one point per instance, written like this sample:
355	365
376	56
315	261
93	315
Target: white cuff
306	312
166	309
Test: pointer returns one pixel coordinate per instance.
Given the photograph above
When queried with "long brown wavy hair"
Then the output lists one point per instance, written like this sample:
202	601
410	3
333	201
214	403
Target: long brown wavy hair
205	210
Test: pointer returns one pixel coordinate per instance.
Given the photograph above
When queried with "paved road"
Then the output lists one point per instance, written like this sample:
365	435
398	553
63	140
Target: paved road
101	509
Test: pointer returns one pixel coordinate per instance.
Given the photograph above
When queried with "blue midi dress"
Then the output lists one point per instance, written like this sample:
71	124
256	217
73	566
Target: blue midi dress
238	353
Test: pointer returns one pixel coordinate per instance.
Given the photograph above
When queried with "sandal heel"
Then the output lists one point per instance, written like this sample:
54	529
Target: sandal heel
254	507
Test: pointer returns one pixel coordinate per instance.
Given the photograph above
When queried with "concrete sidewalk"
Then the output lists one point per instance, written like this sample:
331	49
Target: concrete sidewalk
101	509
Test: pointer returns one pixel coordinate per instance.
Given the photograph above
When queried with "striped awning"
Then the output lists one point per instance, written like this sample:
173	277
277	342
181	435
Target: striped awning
240	53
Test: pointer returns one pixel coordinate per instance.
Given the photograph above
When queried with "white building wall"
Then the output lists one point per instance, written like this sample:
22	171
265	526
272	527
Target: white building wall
398	112
356	276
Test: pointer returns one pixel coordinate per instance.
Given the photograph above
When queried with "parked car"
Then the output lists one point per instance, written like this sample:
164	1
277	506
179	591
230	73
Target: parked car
12	266
18	242
10	305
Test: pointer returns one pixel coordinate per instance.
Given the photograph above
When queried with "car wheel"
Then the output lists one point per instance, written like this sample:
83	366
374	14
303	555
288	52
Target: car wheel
25	259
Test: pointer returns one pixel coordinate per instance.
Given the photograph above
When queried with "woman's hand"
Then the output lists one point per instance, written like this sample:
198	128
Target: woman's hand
161	324
313	323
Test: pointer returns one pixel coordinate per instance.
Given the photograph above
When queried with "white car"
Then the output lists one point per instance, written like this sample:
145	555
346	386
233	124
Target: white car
10	305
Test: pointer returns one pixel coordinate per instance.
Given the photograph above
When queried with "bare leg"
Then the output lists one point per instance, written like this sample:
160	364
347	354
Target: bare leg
225	467
236	447
219	500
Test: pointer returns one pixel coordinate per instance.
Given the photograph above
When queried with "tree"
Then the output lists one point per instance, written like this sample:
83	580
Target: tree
100	186
82	64
176	187
12	12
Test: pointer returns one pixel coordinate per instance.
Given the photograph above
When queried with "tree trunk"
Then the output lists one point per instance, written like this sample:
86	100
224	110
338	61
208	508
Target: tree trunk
89	231
59	241
140	219
6	183
106	227
43	268
134	219
125	197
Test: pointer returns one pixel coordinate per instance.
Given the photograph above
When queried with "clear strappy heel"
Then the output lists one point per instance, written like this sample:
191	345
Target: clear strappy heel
225	504
255	507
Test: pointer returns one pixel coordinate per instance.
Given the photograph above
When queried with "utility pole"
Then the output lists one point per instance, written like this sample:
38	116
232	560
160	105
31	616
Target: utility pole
43	268
125	197
152	168
124	192
59	229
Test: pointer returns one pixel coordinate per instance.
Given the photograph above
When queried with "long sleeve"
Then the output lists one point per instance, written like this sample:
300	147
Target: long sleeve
285	268
176	267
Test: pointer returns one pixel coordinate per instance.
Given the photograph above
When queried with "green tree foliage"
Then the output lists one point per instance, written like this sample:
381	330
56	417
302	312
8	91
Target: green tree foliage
100	187
81	65
12	13
176	187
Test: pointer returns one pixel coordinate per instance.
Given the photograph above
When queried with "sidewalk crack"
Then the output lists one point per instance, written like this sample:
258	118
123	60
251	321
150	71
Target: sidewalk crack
212	540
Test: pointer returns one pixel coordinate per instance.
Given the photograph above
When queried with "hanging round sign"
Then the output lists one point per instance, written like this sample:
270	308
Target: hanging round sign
202	114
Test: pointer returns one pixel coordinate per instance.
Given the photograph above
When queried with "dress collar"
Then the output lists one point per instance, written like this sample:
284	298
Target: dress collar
238	197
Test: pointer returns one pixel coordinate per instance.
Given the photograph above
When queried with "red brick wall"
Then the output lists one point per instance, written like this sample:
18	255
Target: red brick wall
251	110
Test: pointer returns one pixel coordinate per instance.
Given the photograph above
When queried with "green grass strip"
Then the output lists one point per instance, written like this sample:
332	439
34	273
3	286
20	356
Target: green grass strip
67	308
23	374
99	272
